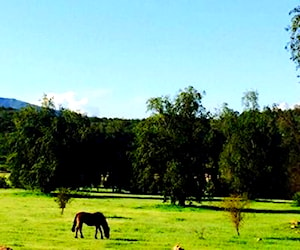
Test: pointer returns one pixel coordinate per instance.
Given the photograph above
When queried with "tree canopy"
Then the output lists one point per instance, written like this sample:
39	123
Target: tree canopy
170	155
180	151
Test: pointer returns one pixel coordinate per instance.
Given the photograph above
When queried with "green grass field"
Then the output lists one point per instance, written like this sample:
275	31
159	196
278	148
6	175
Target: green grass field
33	221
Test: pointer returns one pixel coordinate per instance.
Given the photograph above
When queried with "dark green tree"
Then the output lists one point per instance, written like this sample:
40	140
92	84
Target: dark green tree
45	148
108	147
251	161
289	125
171	147
32	157
6	127
71	130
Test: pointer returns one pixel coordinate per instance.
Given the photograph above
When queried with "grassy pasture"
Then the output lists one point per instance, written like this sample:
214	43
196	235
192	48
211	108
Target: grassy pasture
33	221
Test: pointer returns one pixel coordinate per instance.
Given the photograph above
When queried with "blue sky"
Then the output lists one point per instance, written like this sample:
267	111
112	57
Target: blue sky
107	58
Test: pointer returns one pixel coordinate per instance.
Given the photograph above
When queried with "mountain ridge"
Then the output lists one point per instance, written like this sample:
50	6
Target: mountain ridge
13	103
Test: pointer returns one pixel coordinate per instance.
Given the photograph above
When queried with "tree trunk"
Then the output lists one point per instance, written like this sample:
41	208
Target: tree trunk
181	200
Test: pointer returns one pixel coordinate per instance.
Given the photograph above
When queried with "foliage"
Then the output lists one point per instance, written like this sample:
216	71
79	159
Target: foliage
250	100
234	205
180	151
6	127
46	145
252	159
294	30
289	126
63	198
296	198
3	182
32	145
170	155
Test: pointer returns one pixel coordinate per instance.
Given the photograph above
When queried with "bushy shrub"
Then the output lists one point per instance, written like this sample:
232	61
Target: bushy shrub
235	205
3	182
63	198
296	199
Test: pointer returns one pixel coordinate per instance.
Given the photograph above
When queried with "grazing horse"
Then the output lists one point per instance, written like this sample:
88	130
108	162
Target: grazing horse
91	219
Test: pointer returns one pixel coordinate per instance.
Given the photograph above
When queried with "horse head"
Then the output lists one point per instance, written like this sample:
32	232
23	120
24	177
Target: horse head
106	231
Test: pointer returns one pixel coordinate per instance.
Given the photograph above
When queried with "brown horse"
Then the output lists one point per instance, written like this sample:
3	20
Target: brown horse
91	219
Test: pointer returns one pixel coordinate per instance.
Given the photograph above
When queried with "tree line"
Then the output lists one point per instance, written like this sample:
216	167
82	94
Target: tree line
181	150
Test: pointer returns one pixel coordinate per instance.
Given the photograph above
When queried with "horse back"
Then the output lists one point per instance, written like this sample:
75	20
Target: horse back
90	219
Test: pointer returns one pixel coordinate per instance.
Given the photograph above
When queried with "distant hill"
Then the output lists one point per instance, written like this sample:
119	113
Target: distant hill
12	103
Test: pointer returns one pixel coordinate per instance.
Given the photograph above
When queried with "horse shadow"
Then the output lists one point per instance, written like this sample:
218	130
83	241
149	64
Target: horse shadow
126	239
283	238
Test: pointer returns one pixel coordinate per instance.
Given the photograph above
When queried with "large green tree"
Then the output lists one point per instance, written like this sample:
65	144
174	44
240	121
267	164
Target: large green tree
289	125
45	148
71	130
252	160
171	147
6	127
32	157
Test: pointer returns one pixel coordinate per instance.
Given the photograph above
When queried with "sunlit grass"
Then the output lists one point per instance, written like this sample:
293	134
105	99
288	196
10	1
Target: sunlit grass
33	221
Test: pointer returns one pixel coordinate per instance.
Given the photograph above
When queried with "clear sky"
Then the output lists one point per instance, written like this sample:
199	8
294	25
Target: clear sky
107	58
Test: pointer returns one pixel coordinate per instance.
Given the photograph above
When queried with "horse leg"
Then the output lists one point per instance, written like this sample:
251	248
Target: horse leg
81	235
80	230
99	227
76	232
96	227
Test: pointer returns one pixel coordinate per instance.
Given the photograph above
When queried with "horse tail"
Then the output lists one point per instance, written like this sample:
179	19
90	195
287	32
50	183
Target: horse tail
74	223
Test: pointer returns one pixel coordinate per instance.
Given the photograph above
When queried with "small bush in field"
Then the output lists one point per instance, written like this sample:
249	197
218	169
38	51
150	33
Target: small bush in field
296	199
3	182
235	204
63	198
